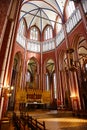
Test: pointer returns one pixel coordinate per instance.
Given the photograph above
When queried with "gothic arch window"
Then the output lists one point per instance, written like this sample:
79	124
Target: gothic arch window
22	27
16	78
48	33
34	33
70	8
17	66
82	50
58	25
82	57
32	80
51	77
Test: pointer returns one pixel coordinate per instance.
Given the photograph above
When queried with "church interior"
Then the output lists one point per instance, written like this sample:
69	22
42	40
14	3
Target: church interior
43	59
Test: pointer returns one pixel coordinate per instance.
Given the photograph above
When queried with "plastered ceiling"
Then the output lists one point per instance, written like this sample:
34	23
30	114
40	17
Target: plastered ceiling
41	12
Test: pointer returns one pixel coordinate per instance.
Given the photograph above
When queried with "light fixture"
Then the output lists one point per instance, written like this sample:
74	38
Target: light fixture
72	64
9	94
73	96
8	90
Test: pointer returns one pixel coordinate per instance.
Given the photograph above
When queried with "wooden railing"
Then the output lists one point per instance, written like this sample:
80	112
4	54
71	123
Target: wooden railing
27	123
18	123
36	125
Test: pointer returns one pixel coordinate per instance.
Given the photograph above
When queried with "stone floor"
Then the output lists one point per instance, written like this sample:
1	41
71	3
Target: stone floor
60	120
55	120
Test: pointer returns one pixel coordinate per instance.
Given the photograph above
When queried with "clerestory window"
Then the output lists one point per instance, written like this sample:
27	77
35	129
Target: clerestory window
21	29
48	33
34	34
70	8
58	25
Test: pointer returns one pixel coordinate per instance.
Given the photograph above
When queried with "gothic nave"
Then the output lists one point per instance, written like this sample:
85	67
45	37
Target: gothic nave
43	60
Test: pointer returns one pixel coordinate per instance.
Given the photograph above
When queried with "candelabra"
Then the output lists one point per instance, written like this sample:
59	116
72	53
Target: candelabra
7	90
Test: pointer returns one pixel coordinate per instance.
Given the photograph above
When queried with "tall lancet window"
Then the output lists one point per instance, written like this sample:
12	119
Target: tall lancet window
47	83
55	86
58	25
48	33
70	8
34	33
21	29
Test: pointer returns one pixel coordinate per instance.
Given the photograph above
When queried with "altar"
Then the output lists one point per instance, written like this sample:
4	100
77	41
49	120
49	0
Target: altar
33	99
35	105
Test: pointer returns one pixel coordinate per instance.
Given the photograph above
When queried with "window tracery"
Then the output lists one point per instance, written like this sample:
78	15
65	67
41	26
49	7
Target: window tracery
48	33
70	8
34	34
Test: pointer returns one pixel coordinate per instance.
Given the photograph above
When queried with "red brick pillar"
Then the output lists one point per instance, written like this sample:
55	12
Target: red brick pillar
7	44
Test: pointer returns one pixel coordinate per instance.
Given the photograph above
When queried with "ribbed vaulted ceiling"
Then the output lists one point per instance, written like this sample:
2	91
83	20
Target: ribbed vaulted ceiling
41	12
